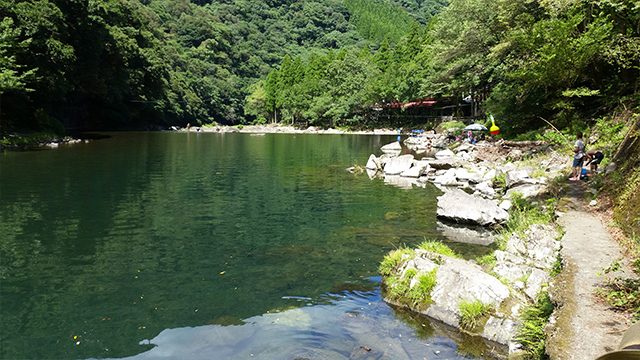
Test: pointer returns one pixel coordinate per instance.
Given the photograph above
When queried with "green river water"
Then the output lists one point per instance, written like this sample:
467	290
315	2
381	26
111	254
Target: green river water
212	246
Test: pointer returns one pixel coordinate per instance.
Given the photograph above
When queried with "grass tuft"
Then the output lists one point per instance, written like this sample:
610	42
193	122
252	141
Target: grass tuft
392	260
438	248
531	333
472	314
420	294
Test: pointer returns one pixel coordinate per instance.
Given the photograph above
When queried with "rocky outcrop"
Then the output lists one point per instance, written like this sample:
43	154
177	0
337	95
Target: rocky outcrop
528	259
522	270
456	205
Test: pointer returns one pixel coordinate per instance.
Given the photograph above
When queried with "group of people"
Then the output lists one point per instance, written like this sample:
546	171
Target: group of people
469	137
581	158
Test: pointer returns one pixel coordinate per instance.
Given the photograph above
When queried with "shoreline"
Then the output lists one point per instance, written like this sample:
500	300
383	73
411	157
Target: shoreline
282	129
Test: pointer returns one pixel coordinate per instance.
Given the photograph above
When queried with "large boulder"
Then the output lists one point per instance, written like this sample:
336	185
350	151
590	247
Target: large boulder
529	258
459	280
448	178
466	234
471	176
458	206
515	177
397	165
418	169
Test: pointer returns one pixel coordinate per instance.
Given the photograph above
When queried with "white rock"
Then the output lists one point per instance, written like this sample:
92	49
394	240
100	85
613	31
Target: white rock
506	205
490	175
419	168
448	178
459	280
486	189
444	154
459	206
515	177
527	191
391	147
499	330
373	163
397	165
535	282
465	175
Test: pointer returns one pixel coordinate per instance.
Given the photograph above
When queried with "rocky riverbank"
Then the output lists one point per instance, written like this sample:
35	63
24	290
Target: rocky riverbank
499	186
280	129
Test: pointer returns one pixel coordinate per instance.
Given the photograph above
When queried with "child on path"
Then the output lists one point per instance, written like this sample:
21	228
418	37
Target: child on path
578	157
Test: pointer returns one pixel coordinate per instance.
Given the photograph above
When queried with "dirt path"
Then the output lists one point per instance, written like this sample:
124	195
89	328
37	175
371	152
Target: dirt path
585	327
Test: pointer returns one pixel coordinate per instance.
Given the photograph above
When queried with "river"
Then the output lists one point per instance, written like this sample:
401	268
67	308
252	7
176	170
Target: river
212	246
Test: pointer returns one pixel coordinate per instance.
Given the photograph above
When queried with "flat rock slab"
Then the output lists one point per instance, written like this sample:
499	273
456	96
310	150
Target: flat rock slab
456	205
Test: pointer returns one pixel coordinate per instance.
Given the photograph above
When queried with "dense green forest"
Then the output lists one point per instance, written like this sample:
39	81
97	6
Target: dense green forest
134	64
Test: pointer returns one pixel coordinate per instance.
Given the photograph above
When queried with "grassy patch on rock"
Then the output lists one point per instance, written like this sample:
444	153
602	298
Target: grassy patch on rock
438	248
420	294
473	314
523	214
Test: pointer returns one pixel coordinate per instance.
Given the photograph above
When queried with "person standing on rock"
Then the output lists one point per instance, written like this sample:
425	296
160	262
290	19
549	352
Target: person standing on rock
578	157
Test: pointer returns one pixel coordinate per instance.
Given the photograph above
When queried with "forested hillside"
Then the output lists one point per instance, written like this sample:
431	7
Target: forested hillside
521	60
126	63
131	64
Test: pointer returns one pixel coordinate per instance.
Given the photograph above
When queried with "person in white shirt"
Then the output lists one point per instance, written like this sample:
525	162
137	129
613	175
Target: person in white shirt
578	157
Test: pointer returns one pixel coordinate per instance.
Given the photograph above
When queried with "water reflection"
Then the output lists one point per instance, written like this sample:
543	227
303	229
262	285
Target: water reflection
350	325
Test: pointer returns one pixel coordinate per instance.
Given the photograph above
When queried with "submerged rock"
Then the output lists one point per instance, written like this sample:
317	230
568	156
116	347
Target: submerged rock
456	205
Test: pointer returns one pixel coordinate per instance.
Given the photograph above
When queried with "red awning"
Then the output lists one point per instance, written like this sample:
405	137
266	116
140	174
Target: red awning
415	103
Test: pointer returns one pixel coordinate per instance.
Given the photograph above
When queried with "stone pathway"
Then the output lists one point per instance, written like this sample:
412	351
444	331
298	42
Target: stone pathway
585	327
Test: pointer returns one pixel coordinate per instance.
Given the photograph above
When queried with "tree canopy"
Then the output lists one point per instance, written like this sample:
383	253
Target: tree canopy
131	64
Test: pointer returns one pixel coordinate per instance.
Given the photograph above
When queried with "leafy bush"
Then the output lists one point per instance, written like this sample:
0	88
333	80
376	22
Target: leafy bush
500	181
622	293
450	126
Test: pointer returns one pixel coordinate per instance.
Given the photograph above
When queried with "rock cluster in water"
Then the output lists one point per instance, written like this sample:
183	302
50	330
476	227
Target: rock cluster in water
478	180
